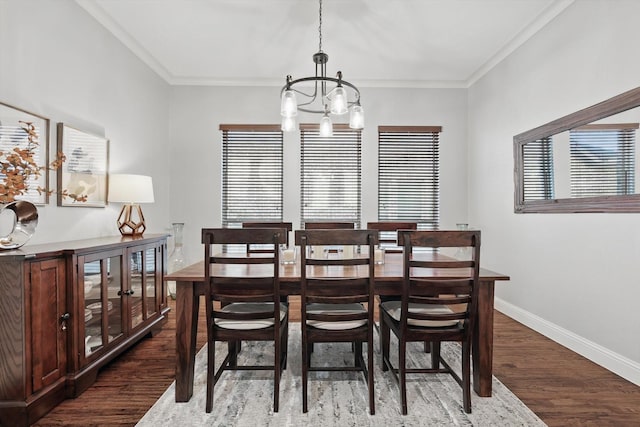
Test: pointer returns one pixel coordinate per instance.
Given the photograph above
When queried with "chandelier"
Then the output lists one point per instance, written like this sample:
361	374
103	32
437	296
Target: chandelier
342	98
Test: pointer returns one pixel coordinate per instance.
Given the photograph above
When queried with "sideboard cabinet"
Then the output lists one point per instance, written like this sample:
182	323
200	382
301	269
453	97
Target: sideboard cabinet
67	309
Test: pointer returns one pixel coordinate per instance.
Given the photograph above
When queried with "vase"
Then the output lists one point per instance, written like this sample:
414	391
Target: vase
24	218
177	259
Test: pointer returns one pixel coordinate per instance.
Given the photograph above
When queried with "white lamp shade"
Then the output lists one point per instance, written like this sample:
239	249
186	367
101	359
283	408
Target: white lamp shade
126	188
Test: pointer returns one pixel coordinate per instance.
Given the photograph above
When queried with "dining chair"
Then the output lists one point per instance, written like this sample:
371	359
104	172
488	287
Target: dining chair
241	306
388	236
266	248
435	309
337	307
329	225
263	249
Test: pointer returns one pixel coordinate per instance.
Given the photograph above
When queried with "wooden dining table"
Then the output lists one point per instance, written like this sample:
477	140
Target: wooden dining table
190	286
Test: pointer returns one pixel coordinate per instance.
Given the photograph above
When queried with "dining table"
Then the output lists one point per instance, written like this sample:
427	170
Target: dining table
190	285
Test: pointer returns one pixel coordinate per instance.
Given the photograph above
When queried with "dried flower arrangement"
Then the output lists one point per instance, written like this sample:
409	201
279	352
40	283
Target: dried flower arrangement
18	167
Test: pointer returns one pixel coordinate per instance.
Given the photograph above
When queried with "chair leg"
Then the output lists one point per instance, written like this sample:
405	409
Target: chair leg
370	383
466	376
402	362
233	347
305	366
285	346
435	354
276	373
211	369
385	336
357	346
427	347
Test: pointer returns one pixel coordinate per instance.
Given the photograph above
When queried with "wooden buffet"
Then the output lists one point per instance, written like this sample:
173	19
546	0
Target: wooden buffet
54	334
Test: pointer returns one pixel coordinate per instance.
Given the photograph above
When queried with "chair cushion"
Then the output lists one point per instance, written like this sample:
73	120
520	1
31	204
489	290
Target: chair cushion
249	307
336	309
394	308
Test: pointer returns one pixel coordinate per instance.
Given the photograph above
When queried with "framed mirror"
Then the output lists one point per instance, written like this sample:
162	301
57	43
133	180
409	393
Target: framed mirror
586	161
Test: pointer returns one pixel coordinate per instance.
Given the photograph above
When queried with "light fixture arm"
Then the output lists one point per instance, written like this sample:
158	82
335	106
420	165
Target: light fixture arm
317	79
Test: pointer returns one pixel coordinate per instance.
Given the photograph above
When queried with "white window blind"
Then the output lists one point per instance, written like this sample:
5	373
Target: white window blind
330	175
251	174
603	159
538	169
409	175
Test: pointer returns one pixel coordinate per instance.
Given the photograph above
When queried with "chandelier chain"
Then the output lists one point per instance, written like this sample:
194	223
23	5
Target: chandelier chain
320	29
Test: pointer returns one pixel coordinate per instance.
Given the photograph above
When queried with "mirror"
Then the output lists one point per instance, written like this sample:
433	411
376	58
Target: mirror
583	162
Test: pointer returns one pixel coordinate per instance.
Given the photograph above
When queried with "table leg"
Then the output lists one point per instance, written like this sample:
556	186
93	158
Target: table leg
483	341
187	307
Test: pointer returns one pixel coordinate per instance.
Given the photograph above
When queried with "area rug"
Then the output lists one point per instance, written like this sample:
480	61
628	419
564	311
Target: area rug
245	398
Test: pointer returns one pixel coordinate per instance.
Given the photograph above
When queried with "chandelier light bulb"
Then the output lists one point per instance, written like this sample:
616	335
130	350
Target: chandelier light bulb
338	98
326	127
289	104
288	124
356	117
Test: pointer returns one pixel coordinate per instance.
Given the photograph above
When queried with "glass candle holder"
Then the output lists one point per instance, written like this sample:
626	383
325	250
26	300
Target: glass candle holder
378	256
288	255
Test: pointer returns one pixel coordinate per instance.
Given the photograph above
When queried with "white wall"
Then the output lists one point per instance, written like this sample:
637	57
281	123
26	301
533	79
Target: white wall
58	62
197	113
574	277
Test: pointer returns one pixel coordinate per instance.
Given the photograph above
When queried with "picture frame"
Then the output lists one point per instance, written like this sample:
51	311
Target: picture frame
83	178
12	136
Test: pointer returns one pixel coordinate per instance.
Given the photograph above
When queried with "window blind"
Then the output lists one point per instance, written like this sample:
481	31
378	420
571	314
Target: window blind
603	159
537	158
409	175
251	174
330	175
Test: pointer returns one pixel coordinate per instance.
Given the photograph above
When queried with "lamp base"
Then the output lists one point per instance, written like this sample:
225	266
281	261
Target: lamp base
130	225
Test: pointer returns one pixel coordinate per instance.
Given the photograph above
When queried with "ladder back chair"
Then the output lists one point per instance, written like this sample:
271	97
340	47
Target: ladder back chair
337	309
243	302
329	225
435	309
266	248
388	236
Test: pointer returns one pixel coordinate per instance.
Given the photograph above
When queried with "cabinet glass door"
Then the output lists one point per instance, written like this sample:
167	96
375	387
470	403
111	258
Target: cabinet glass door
143	283
150	281
102	283
136	279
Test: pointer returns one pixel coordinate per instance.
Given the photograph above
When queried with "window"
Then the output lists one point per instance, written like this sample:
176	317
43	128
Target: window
538	169
330	175
603	159
251	174
408	175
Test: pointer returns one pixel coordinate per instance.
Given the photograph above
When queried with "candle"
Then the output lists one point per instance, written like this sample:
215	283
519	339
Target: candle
378	256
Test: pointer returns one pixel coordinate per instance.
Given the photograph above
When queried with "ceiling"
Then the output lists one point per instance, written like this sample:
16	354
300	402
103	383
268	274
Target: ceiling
375	43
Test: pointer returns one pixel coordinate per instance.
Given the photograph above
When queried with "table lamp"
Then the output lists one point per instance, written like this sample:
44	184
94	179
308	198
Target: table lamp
130	190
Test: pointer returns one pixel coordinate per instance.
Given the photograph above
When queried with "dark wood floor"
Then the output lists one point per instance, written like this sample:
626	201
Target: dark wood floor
562	388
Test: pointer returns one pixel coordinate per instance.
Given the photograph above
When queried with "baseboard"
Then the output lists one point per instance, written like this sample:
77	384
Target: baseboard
620	365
